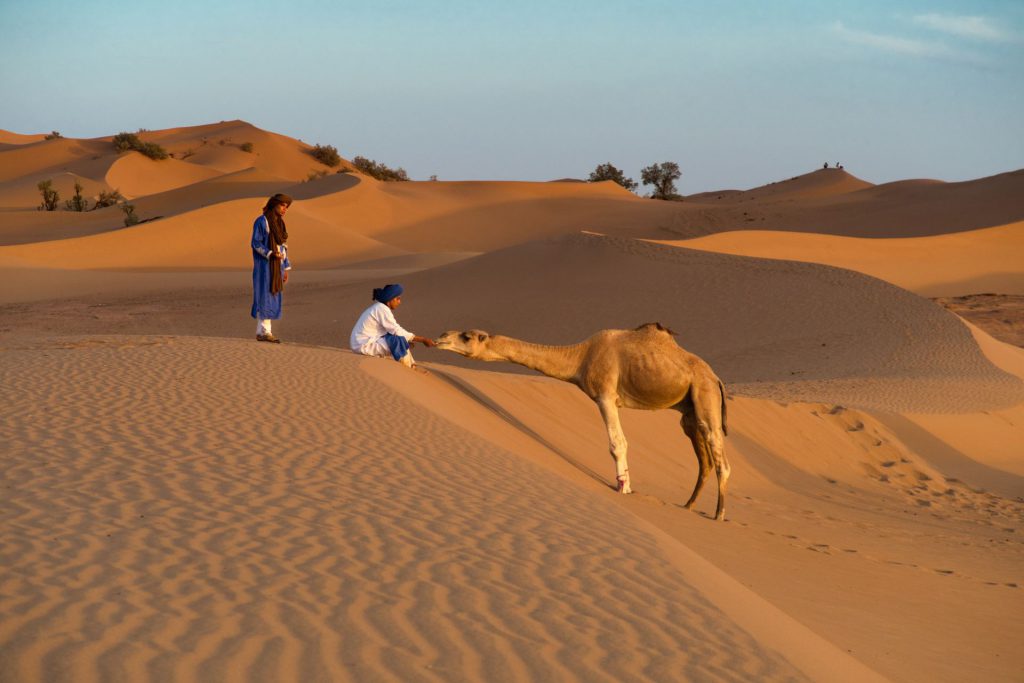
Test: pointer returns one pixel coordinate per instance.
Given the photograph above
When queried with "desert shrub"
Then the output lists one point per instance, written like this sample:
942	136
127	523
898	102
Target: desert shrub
663	177
188	153
378	170
326	154
130	218
153	151
609	172
246	147
50	195
316	174
78	202
124	142
53	136
109	198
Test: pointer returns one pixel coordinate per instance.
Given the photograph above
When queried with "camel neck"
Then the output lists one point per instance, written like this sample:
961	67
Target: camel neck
560	362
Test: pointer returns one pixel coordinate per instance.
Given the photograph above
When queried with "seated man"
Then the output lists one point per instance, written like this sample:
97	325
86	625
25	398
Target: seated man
377	333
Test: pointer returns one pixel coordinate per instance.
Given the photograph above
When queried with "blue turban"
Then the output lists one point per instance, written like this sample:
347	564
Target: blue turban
387	293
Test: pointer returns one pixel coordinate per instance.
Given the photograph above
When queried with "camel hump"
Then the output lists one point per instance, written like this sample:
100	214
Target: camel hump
654	327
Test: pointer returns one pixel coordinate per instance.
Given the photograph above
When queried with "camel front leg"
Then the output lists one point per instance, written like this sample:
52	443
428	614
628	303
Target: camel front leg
616	443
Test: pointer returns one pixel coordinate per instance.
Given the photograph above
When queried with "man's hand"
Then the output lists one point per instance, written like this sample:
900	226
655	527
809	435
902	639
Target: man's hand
284	276
424	340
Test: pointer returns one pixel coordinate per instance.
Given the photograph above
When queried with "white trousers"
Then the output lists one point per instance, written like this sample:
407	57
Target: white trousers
262	326
379	348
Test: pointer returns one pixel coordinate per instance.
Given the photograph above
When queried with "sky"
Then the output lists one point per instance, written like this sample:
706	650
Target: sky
739	93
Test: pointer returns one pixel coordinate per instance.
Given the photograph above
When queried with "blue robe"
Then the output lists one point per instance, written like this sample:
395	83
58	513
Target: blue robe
264	304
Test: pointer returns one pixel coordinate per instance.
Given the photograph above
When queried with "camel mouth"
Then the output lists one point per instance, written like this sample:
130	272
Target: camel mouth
446	339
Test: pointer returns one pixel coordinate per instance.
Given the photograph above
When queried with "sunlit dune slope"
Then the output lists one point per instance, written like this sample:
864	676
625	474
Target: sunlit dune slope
35	160
986	260
214	237
196	153
10	138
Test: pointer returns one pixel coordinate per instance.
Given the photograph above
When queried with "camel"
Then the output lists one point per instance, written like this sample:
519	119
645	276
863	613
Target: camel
641	368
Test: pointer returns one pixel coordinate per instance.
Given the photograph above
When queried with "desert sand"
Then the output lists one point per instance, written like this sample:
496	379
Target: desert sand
183	503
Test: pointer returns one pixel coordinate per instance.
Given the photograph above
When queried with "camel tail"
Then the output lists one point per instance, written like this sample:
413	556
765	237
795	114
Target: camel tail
721	388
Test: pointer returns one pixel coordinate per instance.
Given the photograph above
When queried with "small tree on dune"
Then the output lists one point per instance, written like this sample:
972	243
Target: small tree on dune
108	198
50	195
53	136
78	202
663	177
130	218
609	172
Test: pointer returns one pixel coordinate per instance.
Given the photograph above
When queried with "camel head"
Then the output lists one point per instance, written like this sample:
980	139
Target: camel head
468	343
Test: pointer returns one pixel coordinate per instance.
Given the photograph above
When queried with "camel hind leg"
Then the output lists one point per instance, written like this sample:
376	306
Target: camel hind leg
689	423
706	429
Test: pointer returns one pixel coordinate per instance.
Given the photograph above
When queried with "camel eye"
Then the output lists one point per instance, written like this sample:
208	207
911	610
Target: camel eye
481	337
464	336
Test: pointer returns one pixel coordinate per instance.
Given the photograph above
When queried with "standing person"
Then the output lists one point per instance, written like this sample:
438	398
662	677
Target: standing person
377	333
270	265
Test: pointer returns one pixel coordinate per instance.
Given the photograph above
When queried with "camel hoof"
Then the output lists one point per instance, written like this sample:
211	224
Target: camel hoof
623	486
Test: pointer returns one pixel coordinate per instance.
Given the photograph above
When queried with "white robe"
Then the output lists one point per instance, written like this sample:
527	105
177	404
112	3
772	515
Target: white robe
367	336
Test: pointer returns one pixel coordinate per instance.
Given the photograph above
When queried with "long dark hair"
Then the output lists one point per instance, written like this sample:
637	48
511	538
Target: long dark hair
278	236
278	230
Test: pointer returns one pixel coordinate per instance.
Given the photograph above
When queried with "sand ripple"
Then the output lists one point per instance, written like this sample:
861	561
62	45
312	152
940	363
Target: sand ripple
189	509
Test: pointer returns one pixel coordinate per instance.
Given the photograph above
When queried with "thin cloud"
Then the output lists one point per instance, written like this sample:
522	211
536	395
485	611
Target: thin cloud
926	49
975	28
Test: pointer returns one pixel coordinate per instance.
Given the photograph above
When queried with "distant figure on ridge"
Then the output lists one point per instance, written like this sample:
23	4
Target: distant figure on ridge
826	165
270	265
642	368
377	333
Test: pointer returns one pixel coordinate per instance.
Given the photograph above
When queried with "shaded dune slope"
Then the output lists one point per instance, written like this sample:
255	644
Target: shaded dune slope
765	326
833	202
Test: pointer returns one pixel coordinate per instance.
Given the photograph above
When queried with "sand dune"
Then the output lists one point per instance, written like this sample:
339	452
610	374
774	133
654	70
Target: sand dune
753	320
900	209
171	243
454	557
823	183
162	522
49	156
23	193
989	260
10	138
456	563
137	175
